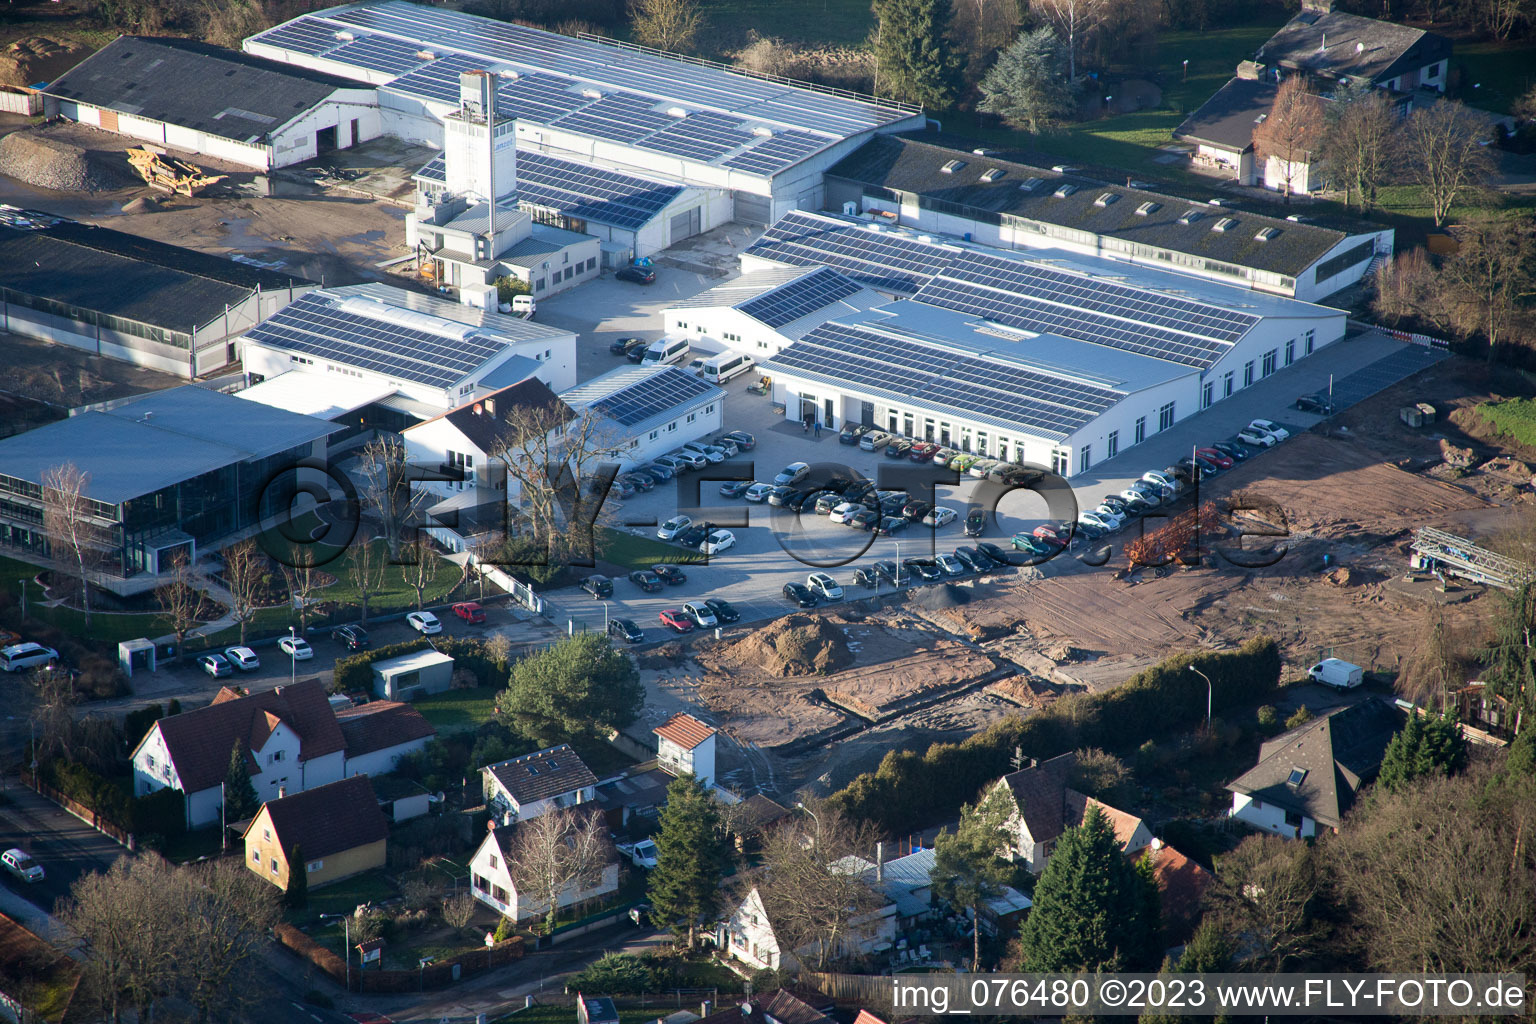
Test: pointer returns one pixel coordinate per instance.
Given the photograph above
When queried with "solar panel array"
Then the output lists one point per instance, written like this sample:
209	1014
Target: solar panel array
435	169
880	260
651	395
590	193
316	325
800	297
913	370
556	70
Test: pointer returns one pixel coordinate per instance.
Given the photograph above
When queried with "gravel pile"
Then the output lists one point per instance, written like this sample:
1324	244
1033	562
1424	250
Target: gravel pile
59	166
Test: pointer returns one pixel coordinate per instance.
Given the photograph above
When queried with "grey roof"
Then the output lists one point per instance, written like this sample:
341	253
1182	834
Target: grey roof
1228	118
206	88
1339	754
909	165
513	328
638	397
542	774
614	92
142	444
1356	46
127	276
543	243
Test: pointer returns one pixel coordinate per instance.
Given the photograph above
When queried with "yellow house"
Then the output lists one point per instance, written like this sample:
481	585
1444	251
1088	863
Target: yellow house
339	829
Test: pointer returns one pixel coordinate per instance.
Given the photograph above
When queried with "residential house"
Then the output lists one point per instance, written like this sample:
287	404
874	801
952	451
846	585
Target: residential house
749	934
1307	779
1042	804
289	736
337	828
1181	883
534	784
378	734
782	1007
491	880
907	882
753	818
685	744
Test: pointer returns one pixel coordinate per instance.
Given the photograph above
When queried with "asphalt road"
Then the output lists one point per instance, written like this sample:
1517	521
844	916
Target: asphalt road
64	845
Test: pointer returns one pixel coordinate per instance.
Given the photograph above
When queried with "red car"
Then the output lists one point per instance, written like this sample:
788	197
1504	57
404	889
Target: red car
922	451
676	621
469	611
1221	458
1055	534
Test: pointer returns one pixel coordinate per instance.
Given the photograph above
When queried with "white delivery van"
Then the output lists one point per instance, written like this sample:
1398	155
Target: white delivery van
721	368
665	350
20	657
1340	675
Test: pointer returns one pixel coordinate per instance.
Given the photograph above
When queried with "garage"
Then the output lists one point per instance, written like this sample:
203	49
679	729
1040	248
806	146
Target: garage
752	209
685	224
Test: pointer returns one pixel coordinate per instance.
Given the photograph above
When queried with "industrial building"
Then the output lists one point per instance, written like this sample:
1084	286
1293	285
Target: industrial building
1046	357
1003	203
209	101
130	298
761	312
649	410
754	147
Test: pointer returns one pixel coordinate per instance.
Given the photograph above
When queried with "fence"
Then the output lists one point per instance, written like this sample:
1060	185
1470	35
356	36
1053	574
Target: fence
110	829
1423	340
465	963
866	991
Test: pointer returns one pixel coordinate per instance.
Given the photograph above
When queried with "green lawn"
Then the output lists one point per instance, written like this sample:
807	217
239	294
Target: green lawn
1493	75
107	627
629	552
344	896
458	710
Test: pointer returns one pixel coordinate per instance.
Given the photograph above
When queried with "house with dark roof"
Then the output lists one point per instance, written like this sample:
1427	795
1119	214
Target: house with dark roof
288	736
782	1007
1042	804
1307	780
338	830
256	113
378	734
1332	46
685	744
492	883
525	787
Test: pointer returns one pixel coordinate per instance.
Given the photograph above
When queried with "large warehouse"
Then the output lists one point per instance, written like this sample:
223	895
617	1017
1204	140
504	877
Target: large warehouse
211	101
1048	357
762	142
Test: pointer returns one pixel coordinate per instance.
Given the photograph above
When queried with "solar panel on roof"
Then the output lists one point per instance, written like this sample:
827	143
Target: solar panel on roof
622	117
590	193
800	297
379	53
703	135
781	150
880	260
650	395
306	35
538	97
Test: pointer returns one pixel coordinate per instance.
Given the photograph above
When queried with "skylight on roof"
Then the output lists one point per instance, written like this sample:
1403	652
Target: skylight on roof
1225	224
992	174
1107	199
553	765
952	166
533	769
1265	234
1148	208
1064	191
1030	184
1191	216
1298	775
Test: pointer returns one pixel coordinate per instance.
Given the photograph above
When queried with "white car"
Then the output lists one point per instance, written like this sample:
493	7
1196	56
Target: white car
1260	438
672	527
1095	519
792	474
1164	481
243	658
296	647
1115	519
824	586
846	511
644	854
757	493
1271	428
215	665
979	470
424	623
718	541
700	613
710	453
940	516
20	864
951	565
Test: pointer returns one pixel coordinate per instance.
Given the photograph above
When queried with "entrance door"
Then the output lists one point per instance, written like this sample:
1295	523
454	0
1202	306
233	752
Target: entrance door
828	413
685	225
867	414
325	139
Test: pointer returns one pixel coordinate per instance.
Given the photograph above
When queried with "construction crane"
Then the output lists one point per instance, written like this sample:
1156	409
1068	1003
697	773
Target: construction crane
165	172
1438	551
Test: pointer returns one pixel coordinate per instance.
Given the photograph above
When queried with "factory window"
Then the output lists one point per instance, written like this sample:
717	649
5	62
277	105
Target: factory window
1269	361
709	409
1141	430
691	417
1207	394
1085	458
654	434
1290	352
1248	374
538	285
672	425
1311	337
1113	448
1165	417
1226	385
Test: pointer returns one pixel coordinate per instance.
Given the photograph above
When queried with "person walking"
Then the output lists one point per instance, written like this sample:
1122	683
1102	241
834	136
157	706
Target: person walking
805	425
818	430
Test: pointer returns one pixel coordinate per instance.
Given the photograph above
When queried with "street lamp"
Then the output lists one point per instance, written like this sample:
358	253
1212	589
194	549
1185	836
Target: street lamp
346	925
421	980
1186	69
812	813
293	655
1208	691
605	616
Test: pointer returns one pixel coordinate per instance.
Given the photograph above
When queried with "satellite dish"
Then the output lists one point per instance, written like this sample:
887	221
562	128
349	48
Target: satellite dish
746	1009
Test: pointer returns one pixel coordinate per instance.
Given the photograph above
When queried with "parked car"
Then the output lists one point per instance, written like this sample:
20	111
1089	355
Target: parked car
711	453
1167	481
620	346
995	553
844	511
724	610
1337	673
598	586
690	459
782	494
865	576
636	352
1319	403
1091	527
353	638
644	854
1234	449
1216	455
824	586
470	612
972	559
963	462
1033	546
626	630
792	474
915	511
296	647
1136	501
1148	494
982	468
874	440
671	463
623	488
424	623
851	433
943	456
940	517
924	568
671	575
826	501
646	580
734	488
21	864
1058	533
242	658
891	525
672	527
891	573
20	657
865	519
898	448
216	665
676	621
745	441
1257	438
1271	428
695	535
702	615
718	542
922	451
658	472
800	595
1118	505
975	521
757	493
951	565
637	275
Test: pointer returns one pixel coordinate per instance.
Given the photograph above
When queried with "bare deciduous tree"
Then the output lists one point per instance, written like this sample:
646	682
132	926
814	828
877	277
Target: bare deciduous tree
1409	288
418	566
181	597
1289	133
1359	141
1443	142
54	715
1490	272
226	915
561	853
244	565
1438	665
303	579
812	896
666	24
1269	891
386	490
1075	22
458	910
366	573
69	521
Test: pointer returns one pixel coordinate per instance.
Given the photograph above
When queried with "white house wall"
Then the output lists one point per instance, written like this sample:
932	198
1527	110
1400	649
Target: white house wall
706	419
382	762
1270	818
726	326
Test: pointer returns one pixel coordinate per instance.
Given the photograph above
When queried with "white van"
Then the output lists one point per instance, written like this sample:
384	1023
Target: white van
20	657
665	350
1340	675
721	368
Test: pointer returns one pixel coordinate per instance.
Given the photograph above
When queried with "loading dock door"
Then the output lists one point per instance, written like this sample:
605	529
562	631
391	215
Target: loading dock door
685	225
750	209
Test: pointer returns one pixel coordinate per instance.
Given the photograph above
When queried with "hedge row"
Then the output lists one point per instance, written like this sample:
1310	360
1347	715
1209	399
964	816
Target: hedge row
355	672
161	813
471	961
911	790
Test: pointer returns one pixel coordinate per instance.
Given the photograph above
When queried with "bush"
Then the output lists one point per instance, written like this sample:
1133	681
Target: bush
490	667
1269	720
164	812
1302	716
504	930
619	974
90	789
1515	417
311	950
136	724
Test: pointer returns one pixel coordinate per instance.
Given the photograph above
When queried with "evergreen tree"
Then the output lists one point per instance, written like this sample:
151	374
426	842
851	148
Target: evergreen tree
1091	907
1028	86
913	60
691	858
580	686
239	795
296	896
1511	657
1426	745
967	870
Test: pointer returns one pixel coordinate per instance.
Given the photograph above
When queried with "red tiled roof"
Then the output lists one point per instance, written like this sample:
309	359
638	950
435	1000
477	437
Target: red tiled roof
199	741
381	724
865	1017
1124	823
328	819
1182	883
685	730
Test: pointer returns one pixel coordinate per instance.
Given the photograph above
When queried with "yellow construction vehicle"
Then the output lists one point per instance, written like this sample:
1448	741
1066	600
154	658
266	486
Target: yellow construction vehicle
165	172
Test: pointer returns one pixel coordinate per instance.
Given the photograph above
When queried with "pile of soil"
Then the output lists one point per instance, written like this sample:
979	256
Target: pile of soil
1066	654
796	645
668	655
947	595
36	59
58	166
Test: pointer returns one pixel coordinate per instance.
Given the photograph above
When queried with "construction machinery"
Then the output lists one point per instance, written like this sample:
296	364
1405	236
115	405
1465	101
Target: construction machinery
165	172
1440	552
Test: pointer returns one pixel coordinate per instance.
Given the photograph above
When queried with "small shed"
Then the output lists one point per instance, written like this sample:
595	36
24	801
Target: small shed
595	1010
1420	415
136	655
412	675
